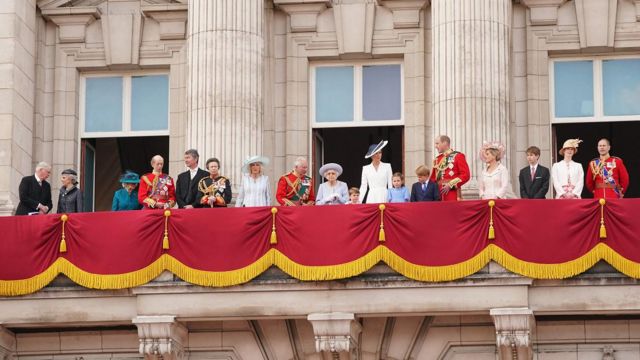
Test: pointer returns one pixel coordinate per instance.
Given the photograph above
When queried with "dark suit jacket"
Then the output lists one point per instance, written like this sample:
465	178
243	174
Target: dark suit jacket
431	194
536	189
187	189
31	194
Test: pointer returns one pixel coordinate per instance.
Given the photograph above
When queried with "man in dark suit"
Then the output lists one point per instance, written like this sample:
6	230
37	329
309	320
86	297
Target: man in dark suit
35	192
187	183
424	189
534	179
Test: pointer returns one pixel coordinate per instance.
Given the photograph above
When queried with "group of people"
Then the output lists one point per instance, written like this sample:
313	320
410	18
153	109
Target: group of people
606	177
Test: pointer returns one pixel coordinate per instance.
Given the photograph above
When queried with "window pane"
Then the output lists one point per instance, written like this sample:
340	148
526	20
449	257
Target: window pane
621	86
381	92
150	102
103	104
573	87
334	94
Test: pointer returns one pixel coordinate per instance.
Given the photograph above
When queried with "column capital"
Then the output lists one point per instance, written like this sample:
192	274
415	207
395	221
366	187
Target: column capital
161	337
303	14
171	17
7	344
543	12
513	332
72	21
336	332
406	13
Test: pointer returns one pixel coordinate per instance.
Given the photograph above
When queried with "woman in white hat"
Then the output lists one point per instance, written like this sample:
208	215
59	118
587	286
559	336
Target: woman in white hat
376	176
254	189
494	182
567	175
332	191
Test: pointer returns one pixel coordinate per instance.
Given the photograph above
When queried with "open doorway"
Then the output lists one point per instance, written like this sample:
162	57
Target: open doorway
623	137
347	147
105	159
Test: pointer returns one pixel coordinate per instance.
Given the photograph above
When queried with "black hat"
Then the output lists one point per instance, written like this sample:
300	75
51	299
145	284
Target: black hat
69	172
374	148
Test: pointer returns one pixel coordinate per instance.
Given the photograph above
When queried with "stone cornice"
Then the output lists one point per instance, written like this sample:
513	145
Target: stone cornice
72	22
406	13
303	13
543	12
171	17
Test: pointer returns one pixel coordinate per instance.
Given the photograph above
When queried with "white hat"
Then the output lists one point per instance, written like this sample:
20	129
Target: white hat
254	159
330	166
374	148
571	143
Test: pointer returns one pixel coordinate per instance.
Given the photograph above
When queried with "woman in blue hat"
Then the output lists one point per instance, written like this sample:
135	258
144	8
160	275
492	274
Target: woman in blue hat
127	197
376	176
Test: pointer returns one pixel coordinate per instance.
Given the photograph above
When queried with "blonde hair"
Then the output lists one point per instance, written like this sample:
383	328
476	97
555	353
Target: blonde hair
423	170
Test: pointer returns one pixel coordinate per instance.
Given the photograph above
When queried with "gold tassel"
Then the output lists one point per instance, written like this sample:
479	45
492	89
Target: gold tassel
165	240
492	231
63	242
274	237
603	230
382	236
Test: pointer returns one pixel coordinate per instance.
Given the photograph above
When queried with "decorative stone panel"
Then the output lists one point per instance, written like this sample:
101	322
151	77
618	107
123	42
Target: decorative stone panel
161	337
336	333
514	327
543	12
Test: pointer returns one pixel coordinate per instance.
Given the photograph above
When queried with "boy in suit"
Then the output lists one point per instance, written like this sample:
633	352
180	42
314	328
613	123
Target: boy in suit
534	179
35	192
424	189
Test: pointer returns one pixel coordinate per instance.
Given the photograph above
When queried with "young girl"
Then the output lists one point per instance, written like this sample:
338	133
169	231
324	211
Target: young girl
399	192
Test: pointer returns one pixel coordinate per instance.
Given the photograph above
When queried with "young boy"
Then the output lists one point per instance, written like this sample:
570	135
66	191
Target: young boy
424	189
534	179
354	194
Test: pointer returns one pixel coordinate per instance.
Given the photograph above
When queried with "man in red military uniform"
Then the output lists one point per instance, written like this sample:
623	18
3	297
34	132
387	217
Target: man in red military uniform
450	170
607	177
157	190
296	188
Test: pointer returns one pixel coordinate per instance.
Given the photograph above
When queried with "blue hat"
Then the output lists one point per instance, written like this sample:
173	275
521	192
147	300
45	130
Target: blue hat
330	166
374	148
130	177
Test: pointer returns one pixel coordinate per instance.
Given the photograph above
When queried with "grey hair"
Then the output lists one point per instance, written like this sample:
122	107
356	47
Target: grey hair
43	165
299	160
193	153
74	178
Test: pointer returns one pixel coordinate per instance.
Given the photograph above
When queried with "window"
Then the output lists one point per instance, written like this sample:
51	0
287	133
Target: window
356	94
593	90
124	105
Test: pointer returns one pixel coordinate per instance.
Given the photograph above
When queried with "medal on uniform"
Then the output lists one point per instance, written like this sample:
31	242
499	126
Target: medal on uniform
451	173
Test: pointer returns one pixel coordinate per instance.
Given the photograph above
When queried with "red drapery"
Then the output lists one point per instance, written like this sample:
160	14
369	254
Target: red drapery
443	241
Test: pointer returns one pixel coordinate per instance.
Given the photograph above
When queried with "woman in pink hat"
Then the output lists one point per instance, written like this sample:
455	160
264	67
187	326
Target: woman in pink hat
494	182
567	175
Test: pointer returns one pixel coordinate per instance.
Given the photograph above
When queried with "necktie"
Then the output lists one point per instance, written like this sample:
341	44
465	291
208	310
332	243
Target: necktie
533	173
424	186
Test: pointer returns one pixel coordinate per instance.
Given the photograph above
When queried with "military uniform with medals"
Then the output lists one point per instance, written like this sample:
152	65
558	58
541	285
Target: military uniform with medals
219	189
157	191
294	190
607	179
450	168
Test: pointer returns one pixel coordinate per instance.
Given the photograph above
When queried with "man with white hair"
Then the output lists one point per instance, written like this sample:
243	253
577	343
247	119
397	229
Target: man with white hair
35	192
296	188
157	190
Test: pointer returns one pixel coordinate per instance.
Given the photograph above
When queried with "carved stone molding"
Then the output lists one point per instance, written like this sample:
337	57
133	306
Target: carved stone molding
171	17
354	21
406	13
161	337
72	22
543	12
514	327
336	333
303	14
7	344
596	22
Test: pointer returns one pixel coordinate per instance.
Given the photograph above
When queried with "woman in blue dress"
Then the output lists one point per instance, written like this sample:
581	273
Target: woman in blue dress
127	197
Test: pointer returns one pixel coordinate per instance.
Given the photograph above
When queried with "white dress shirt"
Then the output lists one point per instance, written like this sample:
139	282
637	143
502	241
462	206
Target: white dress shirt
567	177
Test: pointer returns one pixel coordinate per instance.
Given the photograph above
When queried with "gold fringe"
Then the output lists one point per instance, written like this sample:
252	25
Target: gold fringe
382	236
622	264
434	273
274	237
544	271
328	272
30	285
63	243
112	281
220	278
492	232
165	240
603	230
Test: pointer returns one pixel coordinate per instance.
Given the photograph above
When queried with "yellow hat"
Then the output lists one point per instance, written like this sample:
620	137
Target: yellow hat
571	143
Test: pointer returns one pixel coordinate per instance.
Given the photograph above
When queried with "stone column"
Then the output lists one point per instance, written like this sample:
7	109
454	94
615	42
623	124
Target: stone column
17	97
471	74
225	40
